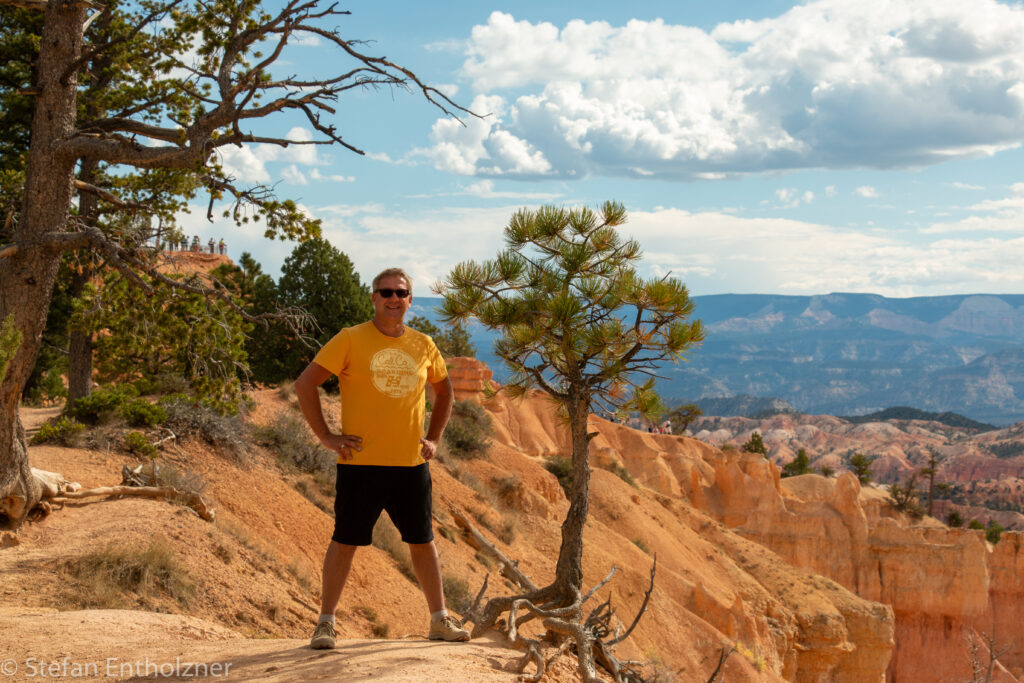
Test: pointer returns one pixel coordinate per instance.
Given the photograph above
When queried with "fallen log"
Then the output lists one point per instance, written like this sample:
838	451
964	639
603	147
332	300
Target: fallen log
192	500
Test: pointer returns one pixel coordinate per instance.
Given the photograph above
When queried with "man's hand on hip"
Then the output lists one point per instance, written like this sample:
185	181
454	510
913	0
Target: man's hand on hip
342	444
428	448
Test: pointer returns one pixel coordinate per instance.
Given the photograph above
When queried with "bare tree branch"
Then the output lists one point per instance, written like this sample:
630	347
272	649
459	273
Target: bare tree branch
83	186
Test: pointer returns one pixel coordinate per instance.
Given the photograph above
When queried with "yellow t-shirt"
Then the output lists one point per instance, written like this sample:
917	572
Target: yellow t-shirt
382	381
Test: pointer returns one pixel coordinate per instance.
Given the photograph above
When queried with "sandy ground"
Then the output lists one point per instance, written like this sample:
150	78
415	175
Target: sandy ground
44	636
131	645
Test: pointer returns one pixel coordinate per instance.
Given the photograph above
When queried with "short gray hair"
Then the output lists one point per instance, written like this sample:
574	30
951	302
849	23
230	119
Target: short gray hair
392	272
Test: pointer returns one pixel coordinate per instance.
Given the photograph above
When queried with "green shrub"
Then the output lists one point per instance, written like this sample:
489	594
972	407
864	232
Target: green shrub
799	465
50	387
954	519
640	544
561	467
469	431
141	413
755	445
145	385
860	465
994	531
62	430
102	403
975	524
138	444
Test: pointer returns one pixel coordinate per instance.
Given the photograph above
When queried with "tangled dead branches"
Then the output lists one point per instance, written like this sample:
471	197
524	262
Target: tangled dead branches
590	636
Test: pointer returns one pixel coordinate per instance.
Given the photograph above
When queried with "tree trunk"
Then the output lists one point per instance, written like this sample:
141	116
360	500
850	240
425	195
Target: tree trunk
79	365
27	277
80	341
569	569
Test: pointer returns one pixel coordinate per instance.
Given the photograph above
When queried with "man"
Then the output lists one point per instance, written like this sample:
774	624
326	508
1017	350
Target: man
382	368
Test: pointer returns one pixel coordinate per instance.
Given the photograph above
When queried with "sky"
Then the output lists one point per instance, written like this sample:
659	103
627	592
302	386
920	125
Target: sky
759	147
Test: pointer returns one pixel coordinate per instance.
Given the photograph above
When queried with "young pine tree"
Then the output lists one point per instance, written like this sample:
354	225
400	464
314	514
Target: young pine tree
578	323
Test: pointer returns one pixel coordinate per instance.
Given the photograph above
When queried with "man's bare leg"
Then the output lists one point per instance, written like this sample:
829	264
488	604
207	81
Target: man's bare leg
427	566
337	563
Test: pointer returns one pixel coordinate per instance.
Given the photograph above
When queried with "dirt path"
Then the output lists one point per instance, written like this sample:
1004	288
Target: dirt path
132	645
31	418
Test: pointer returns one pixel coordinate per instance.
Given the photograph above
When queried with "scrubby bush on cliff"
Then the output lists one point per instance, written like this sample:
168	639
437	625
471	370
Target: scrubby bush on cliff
994	531
621	472
561	467
188	416
289	438
954	519
905	498
860	465
682	416
755	445
801	464
469	431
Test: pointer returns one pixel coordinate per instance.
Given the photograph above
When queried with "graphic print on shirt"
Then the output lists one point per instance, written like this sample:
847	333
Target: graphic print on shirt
394	372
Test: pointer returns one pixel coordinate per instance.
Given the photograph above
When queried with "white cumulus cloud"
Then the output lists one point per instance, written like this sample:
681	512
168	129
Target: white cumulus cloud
992	215
248	163
827	84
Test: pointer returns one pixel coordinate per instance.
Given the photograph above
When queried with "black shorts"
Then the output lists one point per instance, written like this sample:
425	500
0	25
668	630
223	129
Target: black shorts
362	491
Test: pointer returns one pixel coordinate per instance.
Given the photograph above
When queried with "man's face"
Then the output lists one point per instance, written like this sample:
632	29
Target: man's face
391	308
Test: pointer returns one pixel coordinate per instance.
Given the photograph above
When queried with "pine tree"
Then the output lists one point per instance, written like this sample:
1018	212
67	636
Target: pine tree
860	465
801	464
167	127
755	445
578	323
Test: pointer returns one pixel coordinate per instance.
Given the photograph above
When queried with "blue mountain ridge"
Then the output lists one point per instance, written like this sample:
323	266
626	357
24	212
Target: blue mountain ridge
846	353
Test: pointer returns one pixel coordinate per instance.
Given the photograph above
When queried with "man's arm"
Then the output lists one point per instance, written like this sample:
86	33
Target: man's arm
444	397
309	402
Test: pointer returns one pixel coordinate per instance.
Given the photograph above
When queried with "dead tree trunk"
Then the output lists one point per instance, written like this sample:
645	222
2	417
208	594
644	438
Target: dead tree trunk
27	276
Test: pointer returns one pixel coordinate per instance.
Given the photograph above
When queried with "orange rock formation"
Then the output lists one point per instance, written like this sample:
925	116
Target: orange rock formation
946	588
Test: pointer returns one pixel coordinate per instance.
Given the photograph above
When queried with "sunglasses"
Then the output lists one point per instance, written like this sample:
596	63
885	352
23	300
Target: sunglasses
387	292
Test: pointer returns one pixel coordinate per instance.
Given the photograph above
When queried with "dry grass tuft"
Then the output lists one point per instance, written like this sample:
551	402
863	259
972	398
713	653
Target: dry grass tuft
118	576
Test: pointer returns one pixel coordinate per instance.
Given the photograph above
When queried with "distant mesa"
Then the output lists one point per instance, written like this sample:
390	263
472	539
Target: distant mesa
906	413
